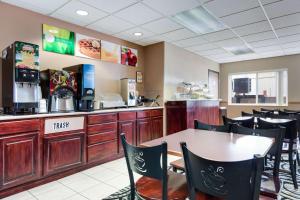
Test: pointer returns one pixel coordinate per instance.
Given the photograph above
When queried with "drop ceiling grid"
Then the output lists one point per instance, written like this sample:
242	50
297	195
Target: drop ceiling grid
254	32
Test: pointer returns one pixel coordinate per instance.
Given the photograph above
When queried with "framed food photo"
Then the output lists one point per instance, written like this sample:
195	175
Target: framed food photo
58	40
139	77
110	52
129	56
87	47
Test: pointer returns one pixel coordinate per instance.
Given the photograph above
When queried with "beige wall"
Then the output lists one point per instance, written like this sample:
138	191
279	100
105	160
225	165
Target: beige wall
23	25
292	63
182	65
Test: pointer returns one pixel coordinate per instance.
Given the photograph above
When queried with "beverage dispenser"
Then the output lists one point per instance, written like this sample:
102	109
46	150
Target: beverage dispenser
128	91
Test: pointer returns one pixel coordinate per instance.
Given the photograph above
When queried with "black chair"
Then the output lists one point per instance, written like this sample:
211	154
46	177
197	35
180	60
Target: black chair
269	110
291	111
275	151
249	123
290	138
239	180
245	114
157	182
208	127
263	114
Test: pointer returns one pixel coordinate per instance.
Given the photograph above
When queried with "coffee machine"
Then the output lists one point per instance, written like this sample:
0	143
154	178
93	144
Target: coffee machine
85	76
128	91
20	78
60	88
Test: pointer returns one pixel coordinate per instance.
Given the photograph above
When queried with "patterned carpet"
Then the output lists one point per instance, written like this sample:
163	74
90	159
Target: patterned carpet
287	191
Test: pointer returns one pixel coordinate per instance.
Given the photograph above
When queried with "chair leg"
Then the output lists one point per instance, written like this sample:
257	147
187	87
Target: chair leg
276	183
293	170
298	158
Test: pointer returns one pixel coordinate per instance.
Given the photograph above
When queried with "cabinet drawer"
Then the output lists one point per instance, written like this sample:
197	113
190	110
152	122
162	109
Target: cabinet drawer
102	128
102	118
21	126
156	113
126	116
102	137
143	114
102	151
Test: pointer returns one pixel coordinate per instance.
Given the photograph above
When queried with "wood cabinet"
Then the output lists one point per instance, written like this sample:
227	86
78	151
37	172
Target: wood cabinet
63	151
157	127
126	125
144	130
20	153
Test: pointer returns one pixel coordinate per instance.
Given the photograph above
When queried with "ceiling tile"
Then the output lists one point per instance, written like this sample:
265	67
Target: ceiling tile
138	14
285	21
290	38
282	8
178	35
223	55
272	53
259	36
129	34
68	13
267	49
290	51
211	52
110	24
230	43
264	2
191	42
253	28
171	7
220	35
232	6
109	6
263	43
202	47
291	45
288	31
161	26
243	18
44	7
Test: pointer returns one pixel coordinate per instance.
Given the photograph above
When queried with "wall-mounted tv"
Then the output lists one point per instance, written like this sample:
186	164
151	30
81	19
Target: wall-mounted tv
242	85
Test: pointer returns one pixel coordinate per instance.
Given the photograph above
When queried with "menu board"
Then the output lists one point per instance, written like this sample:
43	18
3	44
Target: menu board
129	56
58	40
87	47
27	55
110	52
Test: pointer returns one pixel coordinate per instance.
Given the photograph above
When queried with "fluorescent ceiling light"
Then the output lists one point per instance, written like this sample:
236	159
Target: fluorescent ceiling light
199	20
138	34
82	12
239	50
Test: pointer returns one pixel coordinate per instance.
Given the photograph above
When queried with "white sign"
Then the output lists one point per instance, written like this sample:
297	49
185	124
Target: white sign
58	125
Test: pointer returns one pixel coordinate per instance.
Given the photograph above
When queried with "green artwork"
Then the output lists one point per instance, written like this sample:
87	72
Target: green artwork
58	40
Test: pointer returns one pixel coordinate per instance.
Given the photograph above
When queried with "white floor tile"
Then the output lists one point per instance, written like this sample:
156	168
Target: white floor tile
105	175
20	196
45	188
94	170
98	191
119	182
77	197
78	182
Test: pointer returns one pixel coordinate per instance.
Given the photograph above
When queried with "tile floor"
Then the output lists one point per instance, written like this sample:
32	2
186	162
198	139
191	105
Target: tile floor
92	184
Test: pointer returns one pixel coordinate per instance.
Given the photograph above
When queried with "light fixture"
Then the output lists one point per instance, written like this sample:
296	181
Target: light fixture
53	31
138	34
239	50
199	20
82	12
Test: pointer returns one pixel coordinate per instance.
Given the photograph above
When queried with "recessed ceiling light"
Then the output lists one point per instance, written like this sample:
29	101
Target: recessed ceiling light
82	12
138	34
239	50
199	20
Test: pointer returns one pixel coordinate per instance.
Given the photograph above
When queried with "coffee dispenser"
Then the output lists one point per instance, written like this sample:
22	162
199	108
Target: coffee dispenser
85	75
60	88
128	91
20	78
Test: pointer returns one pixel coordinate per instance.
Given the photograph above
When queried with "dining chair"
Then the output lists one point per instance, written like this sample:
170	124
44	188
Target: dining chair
156	181
290	138
246	122
263	114
275	151
209	179
292	111
219	128
269	110
245	114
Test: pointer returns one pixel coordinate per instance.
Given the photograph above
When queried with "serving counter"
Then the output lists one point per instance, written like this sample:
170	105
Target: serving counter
36	149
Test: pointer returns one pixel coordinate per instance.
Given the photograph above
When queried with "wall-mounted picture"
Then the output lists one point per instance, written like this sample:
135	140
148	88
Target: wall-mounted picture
129	56
139	77
58	40
87	47
110	52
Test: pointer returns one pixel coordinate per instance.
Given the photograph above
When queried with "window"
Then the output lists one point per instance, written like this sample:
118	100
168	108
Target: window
262	88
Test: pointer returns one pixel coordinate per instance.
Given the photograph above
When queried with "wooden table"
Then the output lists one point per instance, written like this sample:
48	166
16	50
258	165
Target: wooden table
216	145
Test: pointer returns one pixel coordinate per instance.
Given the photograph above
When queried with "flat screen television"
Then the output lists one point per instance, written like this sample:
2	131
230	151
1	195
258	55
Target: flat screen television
242	85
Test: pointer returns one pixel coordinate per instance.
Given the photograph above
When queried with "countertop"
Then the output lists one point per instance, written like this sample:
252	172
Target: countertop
16	117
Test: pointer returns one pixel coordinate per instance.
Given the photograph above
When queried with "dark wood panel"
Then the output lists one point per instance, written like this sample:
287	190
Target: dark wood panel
102	128
129	129
157	127
143	130
143	114
176	117
102	137
156	112
126	116
102	118
63	152
102	151
21	126
19	159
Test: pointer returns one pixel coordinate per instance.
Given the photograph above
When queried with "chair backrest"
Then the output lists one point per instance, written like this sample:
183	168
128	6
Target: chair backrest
147	161
249	123
268	110
219	128
261	113
287	114
291	111
226	180
291	127
245	114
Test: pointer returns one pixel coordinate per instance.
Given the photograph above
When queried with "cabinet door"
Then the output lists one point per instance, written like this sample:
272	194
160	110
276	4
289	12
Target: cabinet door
157	127
128	128
19	159
143	130
63	152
